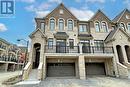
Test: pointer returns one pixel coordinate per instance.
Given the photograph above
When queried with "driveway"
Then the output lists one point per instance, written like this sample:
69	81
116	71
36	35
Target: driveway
95	81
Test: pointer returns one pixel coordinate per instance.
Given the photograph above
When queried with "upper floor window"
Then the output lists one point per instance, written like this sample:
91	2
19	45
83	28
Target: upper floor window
97	26
50	42
43	26
61	24
104	27
128	26
122	26
52	24
70	25
82	28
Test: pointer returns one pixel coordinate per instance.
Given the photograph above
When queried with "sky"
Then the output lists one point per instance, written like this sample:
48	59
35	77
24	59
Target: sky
23	23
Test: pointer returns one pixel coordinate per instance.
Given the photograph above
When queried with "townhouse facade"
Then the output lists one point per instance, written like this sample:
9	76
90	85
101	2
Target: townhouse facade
64	46
10	55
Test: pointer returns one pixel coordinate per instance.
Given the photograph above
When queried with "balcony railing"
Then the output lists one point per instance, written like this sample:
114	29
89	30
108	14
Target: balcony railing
61	49
76	49
95	49
2	47
9	59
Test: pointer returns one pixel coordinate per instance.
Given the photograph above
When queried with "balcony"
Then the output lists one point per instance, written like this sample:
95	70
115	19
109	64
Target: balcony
61	49
2	47
9	59
78	49
95	49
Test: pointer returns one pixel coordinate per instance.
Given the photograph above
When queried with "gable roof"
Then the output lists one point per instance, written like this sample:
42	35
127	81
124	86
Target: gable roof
119	16
112	34
99	11
31	35
61	5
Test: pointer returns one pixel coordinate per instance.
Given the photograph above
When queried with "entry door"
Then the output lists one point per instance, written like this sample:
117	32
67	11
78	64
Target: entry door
37	58
60	69
86	46
60	46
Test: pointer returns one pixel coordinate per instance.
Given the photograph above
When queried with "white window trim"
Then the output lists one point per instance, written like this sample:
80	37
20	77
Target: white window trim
95	26
49	24
63	24
68	25
106	26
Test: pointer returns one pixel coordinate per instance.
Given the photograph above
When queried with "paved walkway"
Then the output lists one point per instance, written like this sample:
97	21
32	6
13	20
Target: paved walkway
95	81
6	75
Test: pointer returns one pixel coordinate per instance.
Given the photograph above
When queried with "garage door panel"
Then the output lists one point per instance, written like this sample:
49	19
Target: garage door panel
95	69
60	70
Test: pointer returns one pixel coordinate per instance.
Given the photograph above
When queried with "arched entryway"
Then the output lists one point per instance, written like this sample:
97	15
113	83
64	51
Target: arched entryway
120	54
37	47
127	49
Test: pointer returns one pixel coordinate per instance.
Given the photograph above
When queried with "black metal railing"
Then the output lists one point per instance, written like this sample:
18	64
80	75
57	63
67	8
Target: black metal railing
61	49
2	47
75	49
96	49
9	59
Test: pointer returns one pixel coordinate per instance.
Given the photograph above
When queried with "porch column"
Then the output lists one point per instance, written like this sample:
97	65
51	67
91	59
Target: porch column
115	61
41	53
80	48
81	62
31	54
116	54
44	67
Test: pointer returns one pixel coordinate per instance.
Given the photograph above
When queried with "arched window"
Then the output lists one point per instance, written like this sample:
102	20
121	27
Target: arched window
97	26
122	26
128	26
70	25
52	24
61	24
104	27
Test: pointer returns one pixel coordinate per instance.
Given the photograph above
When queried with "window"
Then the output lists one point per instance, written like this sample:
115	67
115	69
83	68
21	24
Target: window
122	26
50	42
52	24
98	45
61	24
82	28
43	26
104	27
97	26
71	43
128	26
70	25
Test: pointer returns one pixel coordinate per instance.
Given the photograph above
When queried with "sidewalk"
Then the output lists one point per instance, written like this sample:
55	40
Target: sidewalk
6	75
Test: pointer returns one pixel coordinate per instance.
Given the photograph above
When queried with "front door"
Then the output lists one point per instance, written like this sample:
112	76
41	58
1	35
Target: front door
60	46
37	48
86	46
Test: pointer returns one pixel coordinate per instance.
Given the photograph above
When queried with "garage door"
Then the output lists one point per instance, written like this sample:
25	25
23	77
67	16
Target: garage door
95	68
60	69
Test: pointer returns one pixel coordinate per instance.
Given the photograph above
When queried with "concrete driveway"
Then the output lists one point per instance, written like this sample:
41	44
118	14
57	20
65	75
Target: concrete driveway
95	81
